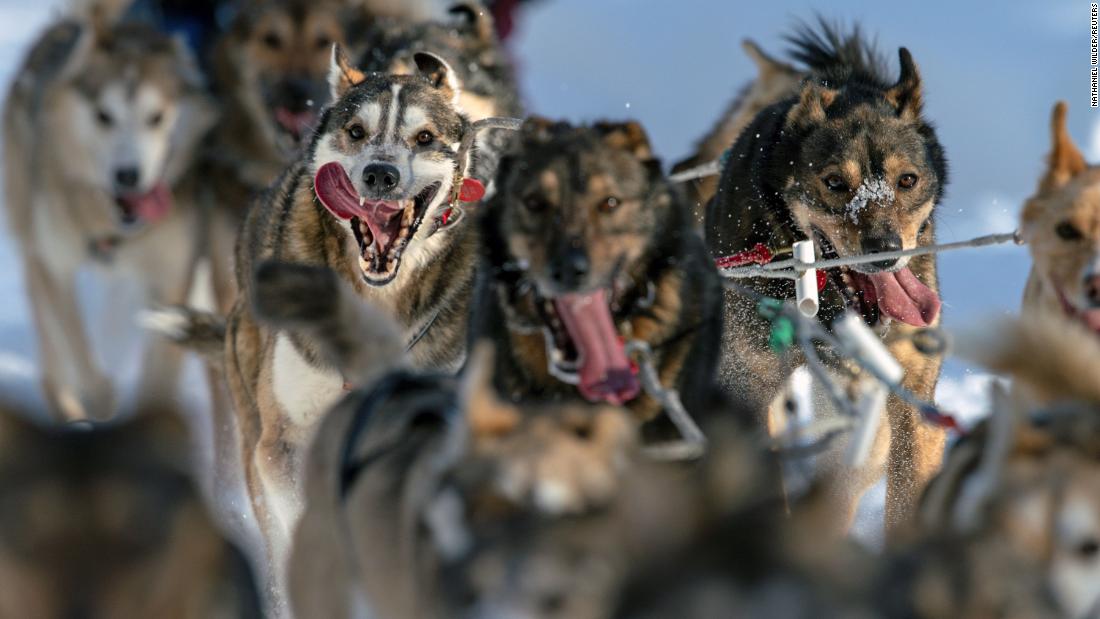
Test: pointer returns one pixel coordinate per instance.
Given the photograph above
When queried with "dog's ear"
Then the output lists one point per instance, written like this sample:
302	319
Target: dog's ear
341	75
628	136
475	19
905	95
540	128
765	64
438	73
812	103
1065	160
487	415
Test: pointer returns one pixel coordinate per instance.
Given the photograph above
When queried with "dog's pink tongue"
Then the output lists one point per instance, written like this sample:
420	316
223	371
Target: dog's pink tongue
1091	318
297	124
384	220
901	296
150	206
335	191
604	369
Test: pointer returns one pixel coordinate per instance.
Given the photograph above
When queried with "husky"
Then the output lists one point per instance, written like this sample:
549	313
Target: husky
429	497
1026	478
775	81
107	523
99	126
370	200
1061	226
851	163
586	246
466	39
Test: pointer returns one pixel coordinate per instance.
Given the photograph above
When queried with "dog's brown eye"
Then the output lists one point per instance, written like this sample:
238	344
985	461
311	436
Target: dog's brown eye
155	120
1067	231
424	138
104	118
272	40
535	203
357	132
1088	548
323	43
609	204
907	181
835	183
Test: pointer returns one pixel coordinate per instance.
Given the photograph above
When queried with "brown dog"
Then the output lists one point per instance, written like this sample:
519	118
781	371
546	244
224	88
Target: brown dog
1061	225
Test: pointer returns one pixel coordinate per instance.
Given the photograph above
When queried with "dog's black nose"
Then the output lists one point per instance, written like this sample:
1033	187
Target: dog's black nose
381	177
1092	290
127	178
882	243
569	267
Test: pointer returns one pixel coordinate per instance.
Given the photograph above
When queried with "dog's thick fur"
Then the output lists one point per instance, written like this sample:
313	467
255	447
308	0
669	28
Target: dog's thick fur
106	523
467	40
1061	226
810	174
1027	478
100	113
594	197
280	381
775	81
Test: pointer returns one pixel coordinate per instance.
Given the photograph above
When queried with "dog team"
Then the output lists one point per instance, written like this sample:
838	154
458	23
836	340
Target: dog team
449	348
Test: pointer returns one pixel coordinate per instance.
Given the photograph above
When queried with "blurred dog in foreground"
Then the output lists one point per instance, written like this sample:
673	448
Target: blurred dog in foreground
1061	226
99	125
106	523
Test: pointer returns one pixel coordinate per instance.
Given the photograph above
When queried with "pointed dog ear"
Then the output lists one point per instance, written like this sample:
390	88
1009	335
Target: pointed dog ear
474	18
438	73
341	75
1065	160
811	106
905	95
628	136
765	64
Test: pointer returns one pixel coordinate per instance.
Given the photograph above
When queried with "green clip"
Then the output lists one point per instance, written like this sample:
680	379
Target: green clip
782	334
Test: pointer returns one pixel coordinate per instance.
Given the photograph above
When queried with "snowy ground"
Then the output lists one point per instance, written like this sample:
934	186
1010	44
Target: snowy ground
674	66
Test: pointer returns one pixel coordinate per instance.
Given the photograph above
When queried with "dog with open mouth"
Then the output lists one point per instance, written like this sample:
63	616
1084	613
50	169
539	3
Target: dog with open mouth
1061	226
371	199
589	246
100	124
851	163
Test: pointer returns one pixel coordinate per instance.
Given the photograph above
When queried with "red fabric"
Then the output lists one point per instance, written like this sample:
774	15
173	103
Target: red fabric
760	254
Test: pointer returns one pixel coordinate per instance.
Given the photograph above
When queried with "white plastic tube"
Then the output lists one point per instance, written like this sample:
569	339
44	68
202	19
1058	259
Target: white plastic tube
805	287
856	335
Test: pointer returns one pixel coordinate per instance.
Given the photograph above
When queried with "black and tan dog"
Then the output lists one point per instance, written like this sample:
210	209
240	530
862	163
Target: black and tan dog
106	523
852	164
588	245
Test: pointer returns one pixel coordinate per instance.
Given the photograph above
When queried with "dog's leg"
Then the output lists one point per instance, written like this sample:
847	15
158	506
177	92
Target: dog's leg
916	447
73	383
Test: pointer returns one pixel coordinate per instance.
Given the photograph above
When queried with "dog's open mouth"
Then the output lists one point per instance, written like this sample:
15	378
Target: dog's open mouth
148	207
584	349
897	295
1089	317
296	125
382	228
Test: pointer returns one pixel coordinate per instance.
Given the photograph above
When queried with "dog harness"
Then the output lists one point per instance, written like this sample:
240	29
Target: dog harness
762	254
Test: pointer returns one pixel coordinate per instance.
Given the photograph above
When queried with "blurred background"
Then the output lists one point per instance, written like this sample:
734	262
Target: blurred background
991	75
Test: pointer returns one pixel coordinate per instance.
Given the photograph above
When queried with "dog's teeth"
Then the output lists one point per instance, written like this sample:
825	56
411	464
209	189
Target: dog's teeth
362	200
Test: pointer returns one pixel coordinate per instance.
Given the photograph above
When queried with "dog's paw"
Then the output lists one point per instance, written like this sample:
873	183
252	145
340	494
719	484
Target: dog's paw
287	293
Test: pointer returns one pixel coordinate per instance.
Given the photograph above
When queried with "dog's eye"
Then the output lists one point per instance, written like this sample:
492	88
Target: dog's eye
1088	549
609	204
272	40
323	42
155	120
424	138
104	118
535	203
907	181
357	132
835	183
1067	231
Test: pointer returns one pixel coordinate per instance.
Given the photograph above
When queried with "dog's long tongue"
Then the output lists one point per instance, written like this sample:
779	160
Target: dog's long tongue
604	369
384	220
335	191
150	206
901	296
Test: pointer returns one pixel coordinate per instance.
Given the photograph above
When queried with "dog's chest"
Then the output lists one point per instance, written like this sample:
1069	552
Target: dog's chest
302	390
